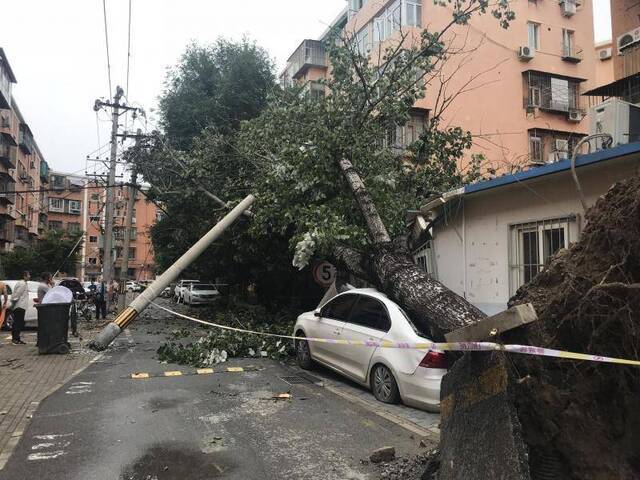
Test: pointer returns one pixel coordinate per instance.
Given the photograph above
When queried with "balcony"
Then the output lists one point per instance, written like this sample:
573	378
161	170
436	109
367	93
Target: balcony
571	53
6	80
627	63
44	172
25	139
310	53
8	152
7	189
7	232
551	93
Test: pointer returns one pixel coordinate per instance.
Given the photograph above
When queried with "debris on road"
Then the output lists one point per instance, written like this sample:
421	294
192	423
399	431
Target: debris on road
419	467
384	454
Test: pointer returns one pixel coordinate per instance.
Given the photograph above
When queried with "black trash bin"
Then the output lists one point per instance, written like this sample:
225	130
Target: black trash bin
53	328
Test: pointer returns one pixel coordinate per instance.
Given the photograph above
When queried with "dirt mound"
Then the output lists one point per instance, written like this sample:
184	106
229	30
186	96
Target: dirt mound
581	420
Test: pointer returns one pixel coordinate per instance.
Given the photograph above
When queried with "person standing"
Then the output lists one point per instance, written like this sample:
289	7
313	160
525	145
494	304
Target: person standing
100	300
20	300
44	286
5	304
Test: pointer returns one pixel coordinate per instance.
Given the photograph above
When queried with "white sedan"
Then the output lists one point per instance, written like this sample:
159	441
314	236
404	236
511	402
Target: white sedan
413	376
31	315
200	293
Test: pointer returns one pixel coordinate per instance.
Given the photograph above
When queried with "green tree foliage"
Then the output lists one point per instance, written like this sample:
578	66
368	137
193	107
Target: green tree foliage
48	254
216	85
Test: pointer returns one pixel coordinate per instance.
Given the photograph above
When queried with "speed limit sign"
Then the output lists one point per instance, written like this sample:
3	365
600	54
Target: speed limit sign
324	274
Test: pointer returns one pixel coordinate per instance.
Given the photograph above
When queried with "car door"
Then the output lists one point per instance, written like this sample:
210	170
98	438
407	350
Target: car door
329	326
369	321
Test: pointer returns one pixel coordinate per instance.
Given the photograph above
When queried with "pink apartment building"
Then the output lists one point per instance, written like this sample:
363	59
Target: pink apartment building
524	107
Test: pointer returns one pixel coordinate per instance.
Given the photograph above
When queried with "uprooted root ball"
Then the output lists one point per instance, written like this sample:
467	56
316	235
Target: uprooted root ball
581	420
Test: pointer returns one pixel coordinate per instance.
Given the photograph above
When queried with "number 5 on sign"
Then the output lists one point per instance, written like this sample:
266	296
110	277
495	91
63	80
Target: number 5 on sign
324	274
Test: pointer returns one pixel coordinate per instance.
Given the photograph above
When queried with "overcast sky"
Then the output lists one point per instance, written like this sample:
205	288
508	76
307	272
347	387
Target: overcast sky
57	52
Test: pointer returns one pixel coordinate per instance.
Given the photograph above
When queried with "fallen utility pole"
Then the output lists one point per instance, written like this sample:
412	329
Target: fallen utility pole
113	329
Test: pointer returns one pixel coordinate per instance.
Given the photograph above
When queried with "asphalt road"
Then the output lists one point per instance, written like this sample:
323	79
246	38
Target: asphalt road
105	425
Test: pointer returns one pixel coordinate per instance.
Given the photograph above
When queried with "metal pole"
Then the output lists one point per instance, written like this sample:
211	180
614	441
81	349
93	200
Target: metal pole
111	331
107	262
124	270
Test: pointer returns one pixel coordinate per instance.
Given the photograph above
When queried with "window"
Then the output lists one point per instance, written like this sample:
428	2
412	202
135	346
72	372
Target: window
55	225
532	246
370	313
57	181
553	93
75	206
73	227
95	197
133	233
535	149
94	219
425	258
560	150
401	13
355	6
534	35
56	204
413	13
93	239
339	308
132	252
568	44
93	261
362	41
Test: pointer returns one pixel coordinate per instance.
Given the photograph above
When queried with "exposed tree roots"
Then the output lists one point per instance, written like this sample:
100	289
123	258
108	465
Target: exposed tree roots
582	419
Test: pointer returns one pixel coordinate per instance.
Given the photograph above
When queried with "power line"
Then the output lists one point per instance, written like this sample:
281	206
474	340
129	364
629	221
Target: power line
106	38
128	48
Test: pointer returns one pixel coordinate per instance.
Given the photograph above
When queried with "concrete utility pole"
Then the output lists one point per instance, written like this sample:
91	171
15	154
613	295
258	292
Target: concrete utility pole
124	269
142	301
107	267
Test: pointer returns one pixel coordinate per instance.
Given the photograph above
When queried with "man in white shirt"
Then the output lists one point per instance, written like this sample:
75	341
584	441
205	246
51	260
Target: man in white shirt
20	298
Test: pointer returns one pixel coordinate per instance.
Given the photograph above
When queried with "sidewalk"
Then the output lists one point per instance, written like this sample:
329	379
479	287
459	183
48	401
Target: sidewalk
27	378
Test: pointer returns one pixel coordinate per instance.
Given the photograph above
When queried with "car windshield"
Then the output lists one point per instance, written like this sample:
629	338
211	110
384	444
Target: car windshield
203	286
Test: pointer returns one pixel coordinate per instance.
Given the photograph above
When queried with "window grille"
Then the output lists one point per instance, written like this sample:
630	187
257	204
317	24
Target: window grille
532	245
426	259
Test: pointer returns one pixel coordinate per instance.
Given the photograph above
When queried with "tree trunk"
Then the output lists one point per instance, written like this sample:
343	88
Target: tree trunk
433	306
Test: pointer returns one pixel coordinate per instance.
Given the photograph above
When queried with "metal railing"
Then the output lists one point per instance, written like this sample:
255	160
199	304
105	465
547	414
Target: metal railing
572	53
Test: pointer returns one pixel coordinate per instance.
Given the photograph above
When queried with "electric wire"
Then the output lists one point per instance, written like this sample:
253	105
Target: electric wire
106	37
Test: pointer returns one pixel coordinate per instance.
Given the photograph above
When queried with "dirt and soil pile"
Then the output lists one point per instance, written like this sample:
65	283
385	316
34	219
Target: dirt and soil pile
581	420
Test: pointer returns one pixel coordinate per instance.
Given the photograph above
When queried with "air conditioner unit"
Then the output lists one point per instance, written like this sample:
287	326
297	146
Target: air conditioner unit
525	53
619	118
627	39
568	7
575	116
605	53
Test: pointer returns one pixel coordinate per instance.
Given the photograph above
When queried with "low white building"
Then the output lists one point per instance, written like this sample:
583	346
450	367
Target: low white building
489	238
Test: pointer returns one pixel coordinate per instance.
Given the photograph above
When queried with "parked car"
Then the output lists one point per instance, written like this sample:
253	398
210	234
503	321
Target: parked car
200	293
31	315
181	287
412	376
133	286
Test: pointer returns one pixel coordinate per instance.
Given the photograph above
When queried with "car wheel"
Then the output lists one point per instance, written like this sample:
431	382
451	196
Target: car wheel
303	355
383	385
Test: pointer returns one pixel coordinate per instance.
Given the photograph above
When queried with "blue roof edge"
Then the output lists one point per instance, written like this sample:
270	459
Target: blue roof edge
564	165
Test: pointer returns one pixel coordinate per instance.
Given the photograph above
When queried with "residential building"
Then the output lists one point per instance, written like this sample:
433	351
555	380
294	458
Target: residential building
624	81
79	207
489	238
23	171
519	88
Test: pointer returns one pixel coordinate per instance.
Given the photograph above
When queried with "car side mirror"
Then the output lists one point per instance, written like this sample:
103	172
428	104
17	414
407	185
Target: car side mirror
316	313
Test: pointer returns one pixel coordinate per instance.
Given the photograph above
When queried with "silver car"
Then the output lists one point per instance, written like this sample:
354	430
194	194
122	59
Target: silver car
393	374
200	293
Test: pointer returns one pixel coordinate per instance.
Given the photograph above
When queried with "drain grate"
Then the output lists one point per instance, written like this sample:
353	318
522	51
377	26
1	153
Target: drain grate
310	378
294	380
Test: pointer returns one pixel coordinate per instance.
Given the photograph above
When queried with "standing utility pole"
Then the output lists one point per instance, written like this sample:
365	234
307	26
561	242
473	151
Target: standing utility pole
107	261
124	269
